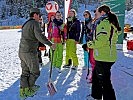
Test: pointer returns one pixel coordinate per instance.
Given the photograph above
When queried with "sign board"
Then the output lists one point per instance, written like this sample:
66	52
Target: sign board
51	6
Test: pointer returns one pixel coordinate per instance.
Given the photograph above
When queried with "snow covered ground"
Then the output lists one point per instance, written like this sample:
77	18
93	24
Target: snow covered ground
71	84
129	17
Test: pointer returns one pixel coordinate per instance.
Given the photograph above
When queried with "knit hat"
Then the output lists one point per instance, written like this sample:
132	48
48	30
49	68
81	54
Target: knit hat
35	10
74	11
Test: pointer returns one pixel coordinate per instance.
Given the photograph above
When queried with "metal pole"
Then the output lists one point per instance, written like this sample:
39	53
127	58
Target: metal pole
67	4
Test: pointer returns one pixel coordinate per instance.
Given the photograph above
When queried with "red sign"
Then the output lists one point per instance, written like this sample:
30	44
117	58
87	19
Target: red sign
52	6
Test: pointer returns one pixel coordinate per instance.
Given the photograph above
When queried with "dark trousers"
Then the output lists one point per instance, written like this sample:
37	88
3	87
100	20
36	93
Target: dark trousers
40	56
101	83
30	69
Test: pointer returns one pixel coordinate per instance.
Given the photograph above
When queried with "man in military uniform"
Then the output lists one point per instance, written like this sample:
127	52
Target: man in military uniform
31	36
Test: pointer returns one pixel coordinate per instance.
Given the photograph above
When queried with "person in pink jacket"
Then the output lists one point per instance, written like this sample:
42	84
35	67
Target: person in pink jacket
57	34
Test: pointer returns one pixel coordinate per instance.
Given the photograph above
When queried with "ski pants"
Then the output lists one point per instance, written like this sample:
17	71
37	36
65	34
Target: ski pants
30	69
86	54
58	55
101	83
71	52
91	58
86	59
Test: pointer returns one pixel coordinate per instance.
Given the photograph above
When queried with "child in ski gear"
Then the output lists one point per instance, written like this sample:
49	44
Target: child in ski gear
87	35
105	54
86	28
57	34
73	33
31	35
52	17
92	61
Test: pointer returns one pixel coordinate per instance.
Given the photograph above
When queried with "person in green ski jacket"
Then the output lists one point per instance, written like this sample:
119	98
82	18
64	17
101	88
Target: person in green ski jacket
105	54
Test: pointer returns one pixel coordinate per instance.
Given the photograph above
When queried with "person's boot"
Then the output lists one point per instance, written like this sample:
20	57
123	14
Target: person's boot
69	64
32	91
24	92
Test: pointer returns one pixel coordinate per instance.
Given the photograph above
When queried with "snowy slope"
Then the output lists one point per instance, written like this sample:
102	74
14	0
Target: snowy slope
9	58
129	17
71	84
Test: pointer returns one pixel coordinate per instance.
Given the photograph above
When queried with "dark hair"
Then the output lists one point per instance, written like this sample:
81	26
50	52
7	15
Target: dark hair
50	20
32	14
111	16
104	8
87	11
58	12
50	17
114	20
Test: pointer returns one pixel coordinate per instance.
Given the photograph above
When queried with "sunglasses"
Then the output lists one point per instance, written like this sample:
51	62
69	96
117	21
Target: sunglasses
85	14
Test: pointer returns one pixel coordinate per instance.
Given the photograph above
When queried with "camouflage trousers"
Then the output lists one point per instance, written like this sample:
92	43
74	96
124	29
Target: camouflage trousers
30	69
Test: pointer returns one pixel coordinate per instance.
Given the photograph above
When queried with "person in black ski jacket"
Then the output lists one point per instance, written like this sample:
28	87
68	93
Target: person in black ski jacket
73	34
